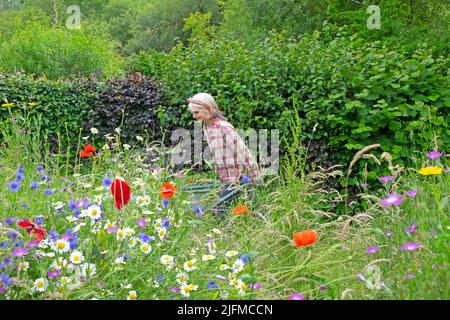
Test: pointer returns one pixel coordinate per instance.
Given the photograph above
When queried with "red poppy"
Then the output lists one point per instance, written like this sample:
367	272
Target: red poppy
33	229
85	154
121	192
168	190
305	238
88	151
89	148
240	209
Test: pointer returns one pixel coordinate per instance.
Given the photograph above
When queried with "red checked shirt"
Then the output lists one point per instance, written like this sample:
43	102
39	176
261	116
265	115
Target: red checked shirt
229	152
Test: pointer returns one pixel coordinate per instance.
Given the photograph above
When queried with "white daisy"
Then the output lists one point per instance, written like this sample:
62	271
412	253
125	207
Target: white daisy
40	285
128	232
207	257
94	212
61	246
94	130
146	248
186	289
190	265
166	260
231	253
132	295
182	278
76	257
24	265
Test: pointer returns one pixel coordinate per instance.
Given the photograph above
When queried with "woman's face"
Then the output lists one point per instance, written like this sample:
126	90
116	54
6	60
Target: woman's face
200	115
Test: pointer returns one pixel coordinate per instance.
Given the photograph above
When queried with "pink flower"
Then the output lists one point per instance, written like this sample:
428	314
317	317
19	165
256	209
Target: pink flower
392	199
411	229
386	179
141	223
410	246
388	233
19	252
53	273
434	154
411	193
373	249
296	296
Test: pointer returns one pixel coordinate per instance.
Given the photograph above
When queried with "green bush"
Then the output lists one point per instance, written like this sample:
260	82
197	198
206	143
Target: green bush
358	93
63	105
59	52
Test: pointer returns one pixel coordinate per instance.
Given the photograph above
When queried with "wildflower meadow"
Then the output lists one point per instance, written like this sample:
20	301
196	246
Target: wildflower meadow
346	108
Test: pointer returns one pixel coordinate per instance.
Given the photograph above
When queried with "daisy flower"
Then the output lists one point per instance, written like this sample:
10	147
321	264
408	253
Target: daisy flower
132	295
231	253
190	265
146	248
128	232
59	263
94	130
186	289
94	212
238	266
76	257
40	285
182	278
166	260
132	242
24	265
61	246
207	257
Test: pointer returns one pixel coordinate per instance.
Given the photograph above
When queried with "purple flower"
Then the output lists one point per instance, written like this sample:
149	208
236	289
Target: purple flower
361	277
373	249
221	278
8	221
53	273
411	229
392	199
145	238
19	252
257	286
246	179
141	223
386	179
21	170
65	179
6	280
198	210
14	186
410	276
410	246
112	229
411	193
20	177
213	285
434	154
32	244
323	288
388	233
106	182
35	185
48	192
433	233
39	168
243	258
175	290
165	202
296	296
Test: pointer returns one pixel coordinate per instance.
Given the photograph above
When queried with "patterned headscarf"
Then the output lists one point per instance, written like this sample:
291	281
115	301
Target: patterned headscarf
202	101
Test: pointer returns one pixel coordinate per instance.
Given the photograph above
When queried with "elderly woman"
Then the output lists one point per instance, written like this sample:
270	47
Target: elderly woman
231	156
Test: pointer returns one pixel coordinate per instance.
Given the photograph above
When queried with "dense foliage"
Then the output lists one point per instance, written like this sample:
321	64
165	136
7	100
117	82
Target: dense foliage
357	92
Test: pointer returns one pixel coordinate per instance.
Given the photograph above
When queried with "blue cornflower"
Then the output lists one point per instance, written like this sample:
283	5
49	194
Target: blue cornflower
213	285
48	192
39	221
165	202
35	185
53	234
145	238
73	242
39	168
243	258
14	186
198	210
6	280
166	223
3	244
44	177
21	170
106	182
160	277
72	205
246	179
20	177
8	221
